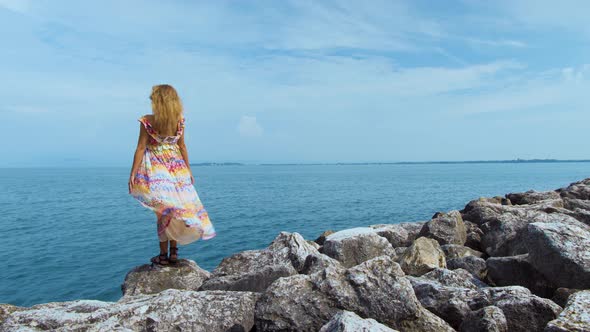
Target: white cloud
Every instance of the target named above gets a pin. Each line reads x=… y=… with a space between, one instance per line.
x=249 y=127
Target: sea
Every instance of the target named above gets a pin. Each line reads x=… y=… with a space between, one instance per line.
x=73 y=233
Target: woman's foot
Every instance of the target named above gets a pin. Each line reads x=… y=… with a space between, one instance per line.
x=173 y=255
x=161 y=259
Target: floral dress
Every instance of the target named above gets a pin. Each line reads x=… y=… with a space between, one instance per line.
x=163 y=184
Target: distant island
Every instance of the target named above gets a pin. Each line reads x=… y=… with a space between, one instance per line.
x=513 y=161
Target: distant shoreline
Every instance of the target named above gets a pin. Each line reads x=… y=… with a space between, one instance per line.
x=515 y=161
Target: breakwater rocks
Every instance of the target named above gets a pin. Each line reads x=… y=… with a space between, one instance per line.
x=515 y=263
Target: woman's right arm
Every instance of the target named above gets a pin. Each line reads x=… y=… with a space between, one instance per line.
x=138 y=156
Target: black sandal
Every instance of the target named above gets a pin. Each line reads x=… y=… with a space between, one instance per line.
x=161 y=259
x=173 y=251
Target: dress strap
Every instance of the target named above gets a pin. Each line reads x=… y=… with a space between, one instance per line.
x=148 y=126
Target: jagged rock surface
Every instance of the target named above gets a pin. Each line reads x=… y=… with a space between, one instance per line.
x=254 y=270
x=446 y=228
x=148 y=279
x=348 y=321
x=488 y=319
x=576 y=315
x=169 y=310
x=356 y=245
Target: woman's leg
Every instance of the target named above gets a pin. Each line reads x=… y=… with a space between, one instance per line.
x=163 y=239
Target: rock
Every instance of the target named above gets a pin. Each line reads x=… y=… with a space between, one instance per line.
x=579 y=190
x=523 y=311
x=449 y=302
x=561 y=295
x=6 y=310
x=316 y=263
x=532 y=197
x=376 y=288
x=320 y=240
x=399 y=251
x=561 y=252
x=254 y=270
x=356 y=245
x=575 y=316
x=487 y=319
x=474 y=234
x=475 y=265
x=458 y=251
x=516 y=270
x=446 y=228
x=422 y=256
x=148 y=279
x=169 y=310
x=399 y=235
x=347 y=321
x=454 y=278
x=313 y=244
x=504 y=227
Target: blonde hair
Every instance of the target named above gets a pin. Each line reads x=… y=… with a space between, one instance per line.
x=167 y=109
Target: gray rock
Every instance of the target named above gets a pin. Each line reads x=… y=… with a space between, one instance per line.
x=473 y=264
x=576 y=315
x=505 y=227
x=401 y=234
x=148 y=279
x=517 y=270
x=532 y=197
x=376 y=288
x=579 y=190
x=561 y=252
x=458 y=251
x=254 y=270
x=488 y=319
x=449 y=302
x=474 y=234
x=356 y=245
x=422 y=256
x=562 y=294
x=169 y=310
x=454 y=278
x=446 y=228
x=524 y=311
x=347 y=321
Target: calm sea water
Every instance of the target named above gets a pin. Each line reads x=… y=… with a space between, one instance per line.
x=74 y=233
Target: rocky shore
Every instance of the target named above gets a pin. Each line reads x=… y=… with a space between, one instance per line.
x=520 y=262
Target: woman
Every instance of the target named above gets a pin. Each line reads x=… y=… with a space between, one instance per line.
x=161 y=178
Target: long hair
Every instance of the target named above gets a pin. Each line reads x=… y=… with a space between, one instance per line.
x=167 y=109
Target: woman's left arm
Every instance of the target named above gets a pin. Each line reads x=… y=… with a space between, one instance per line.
x=138 y=156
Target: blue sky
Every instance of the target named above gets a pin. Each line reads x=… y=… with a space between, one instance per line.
x=297 y=81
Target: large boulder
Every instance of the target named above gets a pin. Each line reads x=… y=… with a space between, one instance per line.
x=475 y=265
x=561 y=252
x=576 y=315
x=517 y=270
x=454 y=278
x=348 y=321
x=422 y=256
x=151 y=279
x=254 y=270
x=356 y=245
x=446 y=228
x=401 y=234
x=524 y=311
x=376 y=288
x=487 y=319
x=169 y=310
x=579 y=190
x=532 y=197
x=474 y=235
x=450 y=302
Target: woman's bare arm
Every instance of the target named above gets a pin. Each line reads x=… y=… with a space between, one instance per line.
x=184 y=154
x=138 y=156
